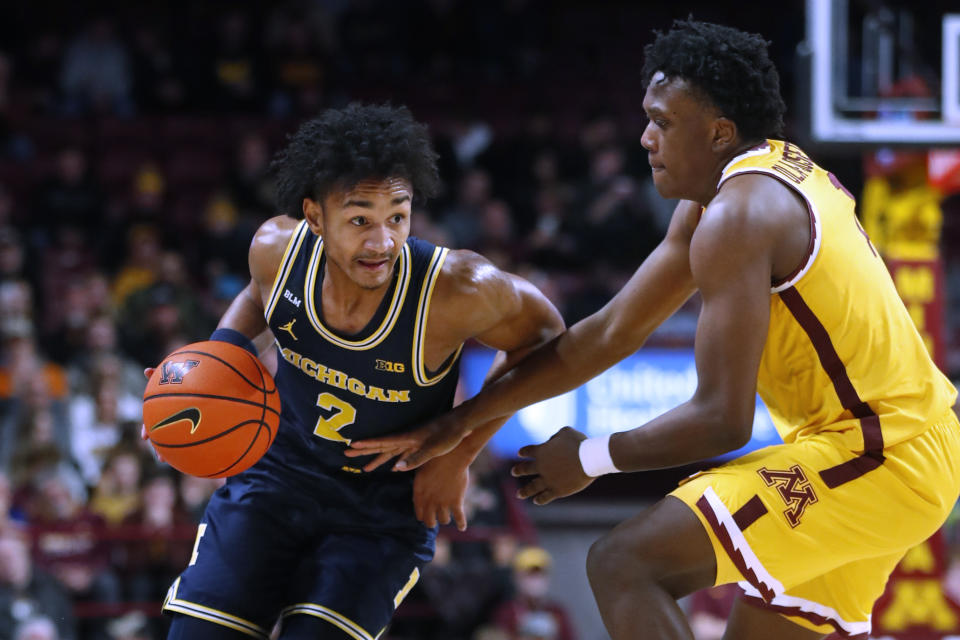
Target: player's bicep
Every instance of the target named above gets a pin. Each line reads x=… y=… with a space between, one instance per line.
x=522 y=316
x=733 y=274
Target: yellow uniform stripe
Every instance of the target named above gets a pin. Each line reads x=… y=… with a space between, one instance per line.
x=339 y=620
x=396 y=304
x=420 y=326
x=192 y=609
x=414 y=576
x=280 y=280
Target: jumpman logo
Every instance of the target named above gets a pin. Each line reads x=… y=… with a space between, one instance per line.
x=289 y=328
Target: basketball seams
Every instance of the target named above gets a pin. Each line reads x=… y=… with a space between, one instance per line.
x=186 y=445
x=234 y=437
x=231 y=367
x=253 y=441
x=212 y=396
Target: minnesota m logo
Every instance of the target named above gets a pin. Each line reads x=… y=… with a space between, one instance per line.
x=794 y=488
x=173 y=372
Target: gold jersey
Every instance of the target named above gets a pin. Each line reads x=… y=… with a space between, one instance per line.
x=842 y=353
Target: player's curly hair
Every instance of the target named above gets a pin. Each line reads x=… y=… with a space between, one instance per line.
x=730 y=67
x=341 y=147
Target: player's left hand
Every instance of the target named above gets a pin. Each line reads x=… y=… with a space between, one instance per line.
x=435 y=438
x=439 y=489
x=553 y=468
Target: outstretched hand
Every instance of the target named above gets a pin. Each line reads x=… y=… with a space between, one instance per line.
x=148 y=372
x=435 y=438
x=553 y=468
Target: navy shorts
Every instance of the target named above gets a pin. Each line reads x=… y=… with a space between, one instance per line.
x=261 y=556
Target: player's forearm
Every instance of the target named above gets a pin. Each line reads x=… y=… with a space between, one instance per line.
x=562 y=364
x=688 y=433
x=245 y=314
x=470 y=447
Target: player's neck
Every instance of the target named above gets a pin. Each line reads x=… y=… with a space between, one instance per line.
x=710 y=189
x=347 y=306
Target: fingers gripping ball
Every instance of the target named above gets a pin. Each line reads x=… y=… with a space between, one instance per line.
x=211 y=409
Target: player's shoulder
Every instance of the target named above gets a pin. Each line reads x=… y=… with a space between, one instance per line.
x=269 y=244
x=275 y=230
x=466 y=273
x=754 y=201
x=470 y=288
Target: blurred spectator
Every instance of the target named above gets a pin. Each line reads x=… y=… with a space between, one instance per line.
x=38 y=68
x=497 y=240
x=27 y=593
x=12 y=519
x=537 y=625
x=464 y=219
x=226 y=235
x=67 y=540
x=484 y=503
x=250 y=184
x=32 y=394
x=12 y=253
x=158 y=85
x=70 y=196
x=130 y=626
x=463 y=585
x=38 y=628
x=165 y=312
x=101 y=418
x=139 y=270
x=709 y=610
x=487 y=632
x=611 y=216
x=96 y=74
x=100 y=344
x=298 y=67
x=236 y=74
x=117 y=493
x=531 y=570
x=195 y=493
x=162 y=546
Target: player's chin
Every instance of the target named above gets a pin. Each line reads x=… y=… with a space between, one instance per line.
x=664 y=185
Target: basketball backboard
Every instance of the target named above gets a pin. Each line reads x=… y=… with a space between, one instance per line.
x=877 y=75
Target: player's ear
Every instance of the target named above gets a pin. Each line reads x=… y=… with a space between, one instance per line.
x=725 y=134
x=313 y=214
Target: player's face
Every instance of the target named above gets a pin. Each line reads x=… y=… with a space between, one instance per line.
x=365 y=228
x=680 y=138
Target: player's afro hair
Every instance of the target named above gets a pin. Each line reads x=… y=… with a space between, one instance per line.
x=729 y=66
x=341 y=147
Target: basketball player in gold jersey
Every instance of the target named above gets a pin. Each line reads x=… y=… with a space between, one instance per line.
x=796 y=305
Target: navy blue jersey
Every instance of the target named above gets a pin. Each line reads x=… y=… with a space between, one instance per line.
x=336 y=387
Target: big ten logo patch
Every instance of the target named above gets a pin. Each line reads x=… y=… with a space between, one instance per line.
x=173 y=372
x=794 y=488
x=387 y=365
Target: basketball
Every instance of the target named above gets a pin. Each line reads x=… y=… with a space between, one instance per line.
x=211 y=409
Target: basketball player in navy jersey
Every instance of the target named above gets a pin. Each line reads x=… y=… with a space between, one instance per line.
x=368 y=324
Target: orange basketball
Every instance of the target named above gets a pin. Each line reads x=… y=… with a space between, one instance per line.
x=211 y=409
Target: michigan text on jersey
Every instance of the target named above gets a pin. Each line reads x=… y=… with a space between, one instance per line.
x=341 y=380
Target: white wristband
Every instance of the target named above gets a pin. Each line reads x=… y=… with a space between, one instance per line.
x=595 y=456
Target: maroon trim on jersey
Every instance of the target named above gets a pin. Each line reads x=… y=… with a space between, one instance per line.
x=736 y=557
x=749 y=513
x=797 y=612
x=776 y=282
x=830 y=361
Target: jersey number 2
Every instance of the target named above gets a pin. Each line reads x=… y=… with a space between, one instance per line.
x=343 y=415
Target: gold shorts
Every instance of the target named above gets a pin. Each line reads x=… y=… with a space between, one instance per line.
x=821 y=556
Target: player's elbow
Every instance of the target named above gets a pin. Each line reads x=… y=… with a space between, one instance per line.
x=730 y=427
